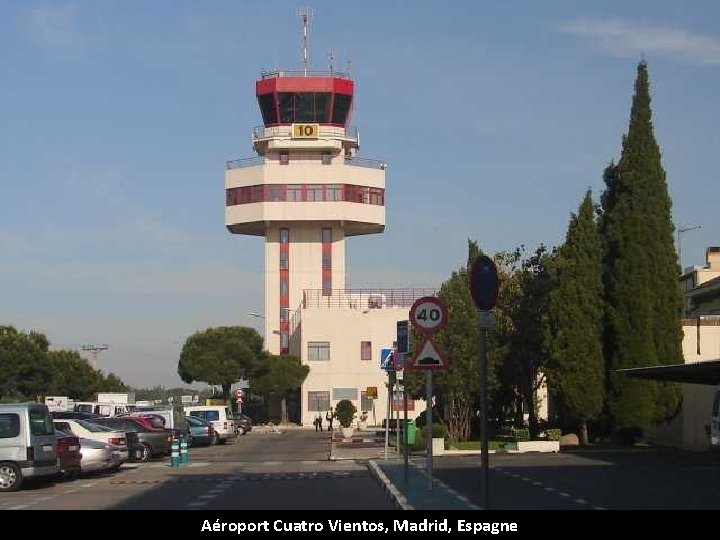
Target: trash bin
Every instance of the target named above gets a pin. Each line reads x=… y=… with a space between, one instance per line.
x=411 y=430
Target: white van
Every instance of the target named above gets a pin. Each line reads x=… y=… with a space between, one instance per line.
x=28 y=446
x=221 y=417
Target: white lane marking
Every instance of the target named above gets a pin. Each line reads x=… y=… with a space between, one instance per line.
x=537 y=483
x=87 y=485
x=208 y=496
x=272 y=462
x=598 y=508
x=525 y=479
x=197 y=504
x=550 y=489
x=71 y=491
x=45 y=498
x=18 y=507
x=201 y=464
x=581 y=501
x=310 y=462
x=563 y=494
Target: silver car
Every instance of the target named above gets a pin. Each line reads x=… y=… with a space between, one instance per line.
x=99 y=456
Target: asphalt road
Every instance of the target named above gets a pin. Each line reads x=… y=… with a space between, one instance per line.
x=650 y=479
x=260 y=471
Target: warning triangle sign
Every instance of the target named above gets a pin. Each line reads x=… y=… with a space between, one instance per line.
x=428 y=357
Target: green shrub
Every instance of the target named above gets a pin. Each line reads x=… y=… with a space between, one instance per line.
x=553 y=434
x=522 y=434
x=345 y=412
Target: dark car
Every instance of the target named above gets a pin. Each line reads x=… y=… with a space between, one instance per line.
x=203 y=432
x=68 y=454
x=243 y=423
x=150 y=442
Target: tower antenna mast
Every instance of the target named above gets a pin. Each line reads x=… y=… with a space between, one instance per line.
x=682 y=230
x=94 y=350
x=305 y=16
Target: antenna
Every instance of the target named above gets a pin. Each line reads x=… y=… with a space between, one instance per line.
x=682 y=230
x=305 y=15
x=330 y=60
x=94 y=349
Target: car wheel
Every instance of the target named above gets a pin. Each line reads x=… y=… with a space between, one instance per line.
x=242 y=431
x=216 y=439
x=10 y=477
x=145 y=453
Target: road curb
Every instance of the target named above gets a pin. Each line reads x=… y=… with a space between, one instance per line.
x=399 y=499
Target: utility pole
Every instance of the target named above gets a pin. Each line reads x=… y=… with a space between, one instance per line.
x=94 y=350
x=682 y=230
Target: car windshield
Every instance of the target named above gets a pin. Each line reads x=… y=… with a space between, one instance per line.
x=194 y=421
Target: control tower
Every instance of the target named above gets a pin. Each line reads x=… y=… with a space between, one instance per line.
x=305 y=191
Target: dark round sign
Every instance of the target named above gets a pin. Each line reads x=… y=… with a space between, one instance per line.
x=484 y=283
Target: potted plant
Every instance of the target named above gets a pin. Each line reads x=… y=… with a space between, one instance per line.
x=362 y=422
x=345 y=414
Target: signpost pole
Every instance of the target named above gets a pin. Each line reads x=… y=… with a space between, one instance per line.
x=484 y=465
x=428 y=425
x=387 y=420
x=397 y=420
x=405 y=435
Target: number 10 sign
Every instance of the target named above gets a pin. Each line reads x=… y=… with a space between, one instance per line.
x=428 y=315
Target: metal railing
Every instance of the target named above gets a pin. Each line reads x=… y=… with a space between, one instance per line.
x=365 y=162
x=364 y=299
x=332 y=132
x=296 y=73
x=244 y=162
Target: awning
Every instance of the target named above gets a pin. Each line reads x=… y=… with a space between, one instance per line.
x=694 y=373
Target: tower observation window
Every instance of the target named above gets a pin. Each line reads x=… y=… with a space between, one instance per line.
x=287 y=107
x=267 y=108
x=341 y=106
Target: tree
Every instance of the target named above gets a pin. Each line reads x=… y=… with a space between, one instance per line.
x=524 y=303
x=220 y=356
x=574 y=317
x=25 y=371
x=280 y=374
x=456 y=389
x=73 y=376
x=644 y=303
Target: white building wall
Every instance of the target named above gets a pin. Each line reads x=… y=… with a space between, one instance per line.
x=687 y=430
x=345 y=329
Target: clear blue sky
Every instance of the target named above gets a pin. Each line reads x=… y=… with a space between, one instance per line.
x=117 y=117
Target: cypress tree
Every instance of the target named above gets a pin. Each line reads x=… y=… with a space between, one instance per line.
x=640 y=272
x=574 y=321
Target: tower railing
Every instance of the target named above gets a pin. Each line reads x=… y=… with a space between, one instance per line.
x=364 y=299
x=244 y=162
x=324 y=131
x=294 y=73
x=307 y=157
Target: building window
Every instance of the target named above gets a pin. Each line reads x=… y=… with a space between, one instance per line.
x=365 y=350
x=318 y=350
x=365 y=403
x=284 y=236
x=284 y=157
x=326 y=158
x=345 y=393
x=284 y=285
x=318 y=401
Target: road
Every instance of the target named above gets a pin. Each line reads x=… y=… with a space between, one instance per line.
x=260 y=471
x=646 y=479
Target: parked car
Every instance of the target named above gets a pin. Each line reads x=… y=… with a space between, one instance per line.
x=221 y=418
x=150 y=442
x=243 y=423
x=203 y=432
x=28 y=448
x=98 y=456
x=69 y=455
x=96 y=432
x=74 y=415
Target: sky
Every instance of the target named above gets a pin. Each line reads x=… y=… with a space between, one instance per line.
x=117 y=118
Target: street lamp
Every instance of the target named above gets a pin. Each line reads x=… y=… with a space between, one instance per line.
x=682 y=230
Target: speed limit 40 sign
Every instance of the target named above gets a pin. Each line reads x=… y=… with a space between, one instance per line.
x=428 y=315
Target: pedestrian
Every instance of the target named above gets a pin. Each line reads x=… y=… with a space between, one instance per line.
x=318 y=421
x=329 y=417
